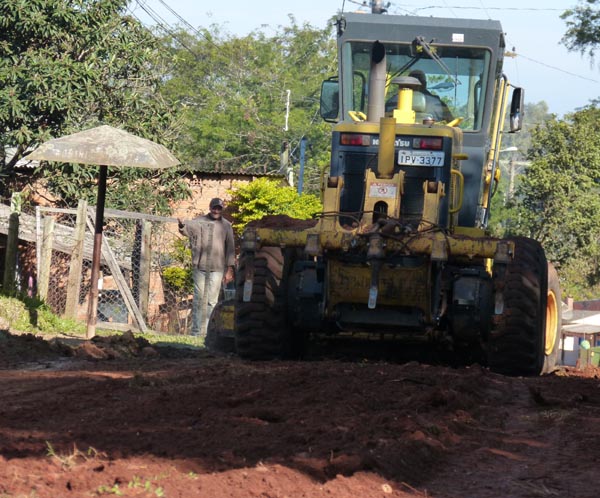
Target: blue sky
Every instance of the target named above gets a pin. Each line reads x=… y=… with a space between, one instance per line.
x=543 y=67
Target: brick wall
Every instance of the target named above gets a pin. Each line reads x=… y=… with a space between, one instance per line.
x=204 y=187
x=591 y=305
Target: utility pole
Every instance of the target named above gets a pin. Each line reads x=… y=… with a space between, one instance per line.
x=285 y=165
x=287 y=110
x=511 y=178
x=302 y=159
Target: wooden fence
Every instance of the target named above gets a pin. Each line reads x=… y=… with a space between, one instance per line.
x=135 y=248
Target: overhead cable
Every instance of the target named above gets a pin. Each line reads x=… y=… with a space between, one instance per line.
x=162 y=24
x=554 y=67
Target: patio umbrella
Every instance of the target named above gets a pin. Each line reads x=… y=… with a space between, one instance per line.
x=103 y=146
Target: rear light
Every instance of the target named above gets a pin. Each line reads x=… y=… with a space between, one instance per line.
x=355 y=139
x=428 y=143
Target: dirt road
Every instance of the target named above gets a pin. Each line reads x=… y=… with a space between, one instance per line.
x=191 y=424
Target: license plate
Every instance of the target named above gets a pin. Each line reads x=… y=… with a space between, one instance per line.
x=420 y=158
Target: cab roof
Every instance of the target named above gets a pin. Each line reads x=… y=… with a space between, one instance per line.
x=447 y=31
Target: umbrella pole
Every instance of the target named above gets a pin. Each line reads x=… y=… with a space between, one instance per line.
x=96 y=255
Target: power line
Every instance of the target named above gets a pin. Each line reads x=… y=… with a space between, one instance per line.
x=172 y=11
x=162 y=24
x=484 y=8
x=361 y=4
x=450 y=8
x=417 y=8
x=554 y=67
x=186 y=23
x=166 y=28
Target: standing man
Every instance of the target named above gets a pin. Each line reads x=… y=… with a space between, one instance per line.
x=213 y=254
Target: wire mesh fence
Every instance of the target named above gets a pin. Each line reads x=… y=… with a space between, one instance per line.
x=137 y=249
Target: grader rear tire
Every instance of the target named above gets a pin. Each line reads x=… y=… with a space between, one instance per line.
x=517 y=344
x=262 y=331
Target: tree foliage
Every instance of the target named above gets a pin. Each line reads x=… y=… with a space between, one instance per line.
x=503 y=213
x=535 y=115
x=68 y=65
x=583 y=28
x=265 y=196
x=558 y=197
x=234 y=92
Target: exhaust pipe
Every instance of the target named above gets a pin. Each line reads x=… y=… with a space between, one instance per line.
x=377 y=79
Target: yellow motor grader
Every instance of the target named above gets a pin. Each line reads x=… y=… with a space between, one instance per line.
x=401 y=251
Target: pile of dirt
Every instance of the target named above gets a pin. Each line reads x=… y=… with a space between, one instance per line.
x=121 y=346
x=23 y=348
x=282 y=221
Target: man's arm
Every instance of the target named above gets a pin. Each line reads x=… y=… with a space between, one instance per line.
x=229 y=247
x=447 y=112
x=182 y=227
x=229 y=275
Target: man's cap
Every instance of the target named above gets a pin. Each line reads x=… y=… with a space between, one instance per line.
x=215 y=202
x=420 y=75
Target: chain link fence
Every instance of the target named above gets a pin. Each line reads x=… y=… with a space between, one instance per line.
x=143 y=281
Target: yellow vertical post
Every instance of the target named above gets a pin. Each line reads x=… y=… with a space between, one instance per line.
x=405 y=113
x=387 y=138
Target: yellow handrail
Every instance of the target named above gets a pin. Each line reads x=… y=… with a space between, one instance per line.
x=461 y=188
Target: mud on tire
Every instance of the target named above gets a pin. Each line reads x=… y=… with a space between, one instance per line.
x=516 y=343
x=217 y=336
x=261 y=327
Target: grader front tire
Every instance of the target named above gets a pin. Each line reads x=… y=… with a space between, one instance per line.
x=261 y=327
x=219 y=333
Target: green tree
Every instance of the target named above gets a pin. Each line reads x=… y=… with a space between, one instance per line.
x=535 y=114
x=558 y=197
x=583 y=28
x=67 y=65
x=265 y=196
x=504 y=214
x=234 y=92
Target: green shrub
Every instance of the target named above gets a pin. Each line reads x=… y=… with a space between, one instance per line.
x=182 y=253
x=178 y=279
x=265 y=196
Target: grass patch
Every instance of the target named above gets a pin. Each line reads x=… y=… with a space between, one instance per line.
x=26 y=314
